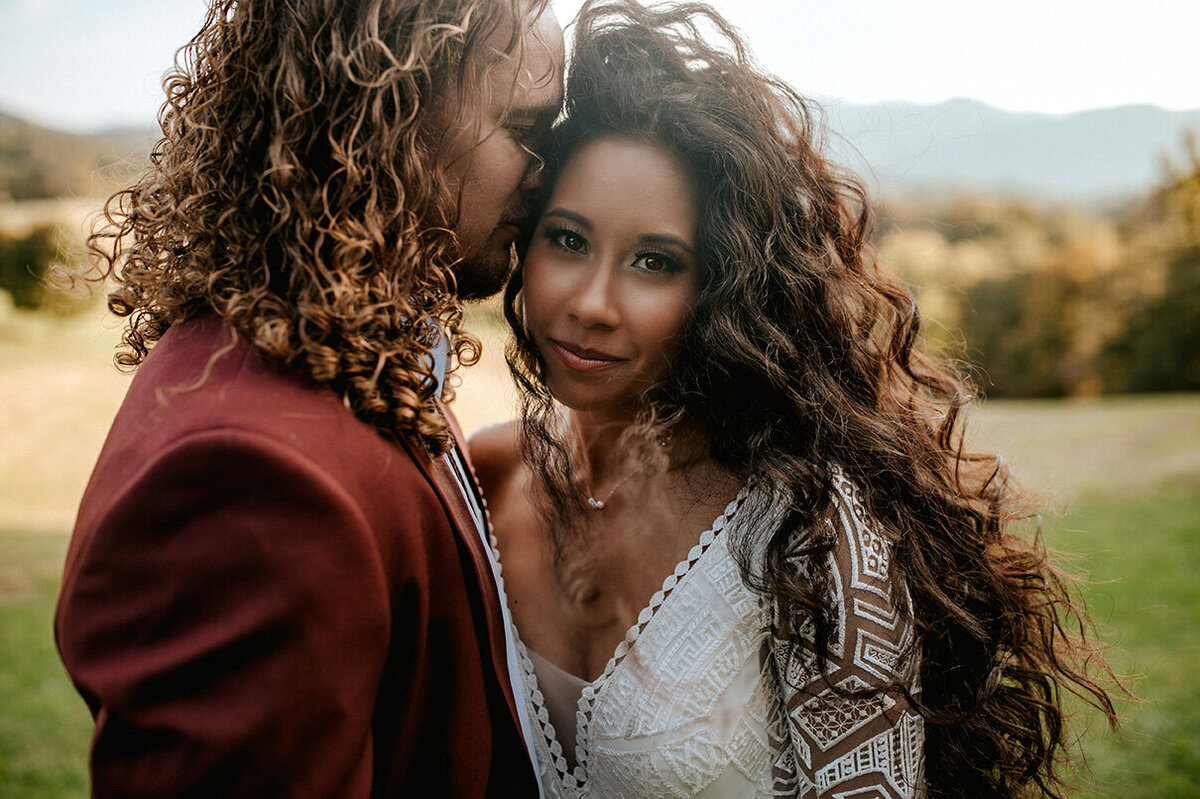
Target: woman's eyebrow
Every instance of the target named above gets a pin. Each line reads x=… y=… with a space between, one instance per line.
x=665 y=238
x=646 y=238
x=563 y=213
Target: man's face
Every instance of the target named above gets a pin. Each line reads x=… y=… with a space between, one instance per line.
x=494 y=168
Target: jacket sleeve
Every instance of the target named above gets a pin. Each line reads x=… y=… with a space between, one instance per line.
x=851 y=728
x=226 y=617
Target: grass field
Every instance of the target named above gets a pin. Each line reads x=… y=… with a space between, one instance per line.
x=1123 y=476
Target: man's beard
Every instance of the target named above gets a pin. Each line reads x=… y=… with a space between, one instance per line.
x=482 y=275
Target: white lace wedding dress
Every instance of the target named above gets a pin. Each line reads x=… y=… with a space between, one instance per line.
x=700 y=700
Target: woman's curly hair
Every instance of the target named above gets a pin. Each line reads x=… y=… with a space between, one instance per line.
x=801 y=354
x=299 y=191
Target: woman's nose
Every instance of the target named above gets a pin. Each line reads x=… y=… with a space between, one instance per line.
x=593 y=301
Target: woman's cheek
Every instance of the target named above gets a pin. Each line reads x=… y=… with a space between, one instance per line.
x=551 y=285
x=533 y=291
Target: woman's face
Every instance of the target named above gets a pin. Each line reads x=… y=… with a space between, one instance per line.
x=611 y=273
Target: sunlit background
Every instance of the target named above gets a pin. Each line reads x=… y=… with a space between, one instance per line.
x=84 y=66
x=1036 y=179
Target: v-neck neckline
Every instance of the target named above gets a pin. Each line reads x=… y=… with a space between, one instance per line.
x=575 y=778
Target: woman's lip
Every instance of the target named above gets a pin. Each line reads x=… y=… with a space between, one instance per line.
x=584 y=360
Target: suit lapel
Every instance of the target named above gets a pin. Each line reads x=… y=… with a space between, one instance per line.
x=441 y=477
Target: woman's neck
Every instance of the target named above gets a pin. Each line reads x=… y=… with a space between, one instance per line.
x=598 y=438
x=608 y=454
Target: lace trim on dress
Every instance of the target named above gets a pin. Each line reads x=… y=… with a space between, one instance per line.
x=569 y=778
x=573 y=779
x=518 y=646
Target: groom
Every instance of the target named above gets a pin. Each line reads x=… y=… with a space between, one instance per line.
x=278 y=583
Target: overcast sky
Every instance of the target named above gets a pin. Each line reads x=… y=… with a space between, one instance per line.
x=89 y=64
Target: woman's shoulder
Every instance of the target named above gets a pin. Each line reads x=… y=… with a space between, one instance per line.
x=872 y=635
x=872 y=599
x=496 y=455
x=863 y=548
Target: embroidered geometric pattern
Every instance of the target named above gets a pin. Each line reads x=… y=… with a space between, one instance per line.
x=863 y=737
x=830 y=716
x=887 y=756
x=700 y=700
x=878 y=655
x=798 y=662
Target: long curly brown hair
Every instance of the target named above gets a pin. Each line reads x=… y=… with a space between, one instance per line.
x=299 y=191
x=801 y=354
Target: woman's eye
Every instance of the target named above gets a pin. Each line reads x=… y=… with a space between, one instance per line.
x=565 y=240
x=568 y=240
x=654 y=262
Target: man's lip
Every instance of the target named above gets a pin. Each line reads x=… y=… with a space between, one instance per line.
x=584 y=359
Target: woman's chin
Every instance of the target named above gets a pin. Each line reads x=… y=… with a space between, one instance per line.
x=587 y=400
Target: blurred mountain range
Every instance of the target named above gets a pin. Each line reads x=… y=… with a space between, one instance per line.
x=38 y=162
x=1097 y=157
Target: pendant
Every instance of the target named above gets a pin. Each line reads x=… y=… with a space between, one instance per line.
x=595 y=504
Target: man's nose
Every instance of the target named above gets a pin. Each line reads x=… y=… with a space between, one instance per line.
x=535 y=167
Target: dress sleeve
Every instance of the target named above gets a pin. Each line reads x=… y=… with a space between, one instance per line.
x=852 y=733
x=226 y=619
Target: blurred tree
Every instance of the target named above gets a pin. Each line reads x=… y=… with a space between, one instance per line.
x=1020 y=332
x=1159 y=349
x=1056 y=301
x=25 y=262
x=1183 y=192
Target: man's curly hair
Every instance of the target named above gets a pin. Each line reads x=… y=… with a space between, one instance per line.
x=299 y=191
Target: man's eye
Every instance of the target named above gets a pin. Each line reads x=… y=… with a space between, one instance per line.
x=524 y=134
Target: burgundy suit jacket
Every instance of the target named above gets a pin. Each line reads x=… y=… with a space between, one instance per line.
x=264 y=597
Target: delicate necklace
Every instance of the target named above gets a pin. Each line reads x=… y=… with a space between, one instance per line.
x=601 y=504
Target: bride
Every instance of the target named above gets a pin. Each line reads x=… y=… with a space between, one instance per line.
x=744 y=549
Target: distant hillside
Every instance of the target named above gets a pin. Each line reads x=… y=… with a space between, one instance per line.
x=903 y=149
x=1091 y=156
x=37 y=162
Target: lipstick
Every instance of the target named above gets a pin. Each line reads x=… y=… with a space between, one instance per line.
x=580 y=359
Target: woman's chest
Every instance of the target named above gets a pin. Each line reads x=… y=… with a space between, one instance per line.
x=575 y=603
x=687 y=702
x=588 y=603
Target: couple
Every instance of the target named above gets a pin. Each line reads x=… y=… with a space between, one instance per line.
x=284 y=580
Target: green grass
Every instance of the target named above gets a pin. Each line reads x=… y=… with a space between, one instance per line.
x=1143 y=555
x=1144 y=559
x=1127 y=468
x=44 y=725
